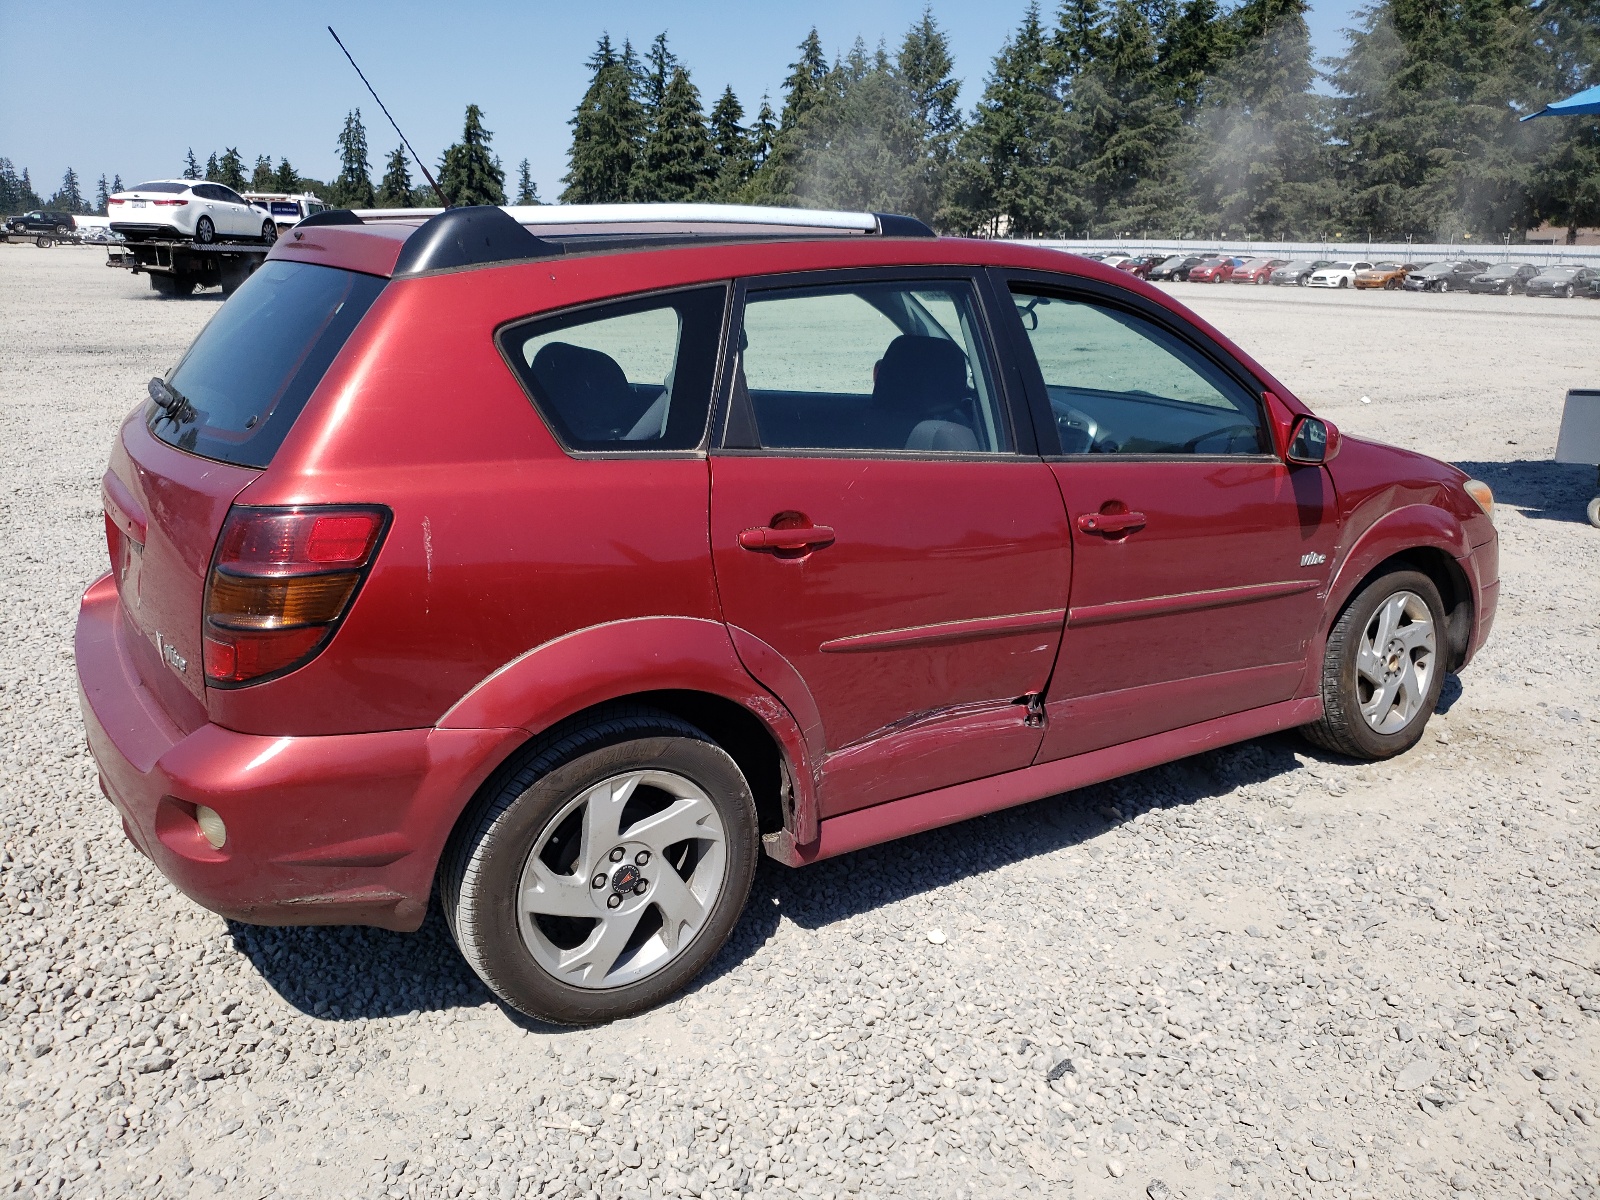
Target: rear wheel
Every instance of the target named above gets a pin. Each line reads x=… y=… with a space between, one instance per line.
x=171 y=286
x=44 y=243
x=205 y=232
x=269 y=232
x=1383 y=668
x=1593 y=512
x=606 y=871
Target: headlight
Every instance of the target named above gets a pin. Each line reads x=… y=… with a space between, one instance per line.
x=1481 y=492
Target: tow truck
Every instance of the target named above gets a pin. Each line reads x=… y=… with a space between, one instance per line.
x=176 y=266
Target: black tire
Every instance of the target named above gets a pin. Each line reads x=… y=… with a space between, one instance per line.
x=269 y=231
x=44 y=243
x=1567 y=292
x=205 y=231
x=1444 y=285
x=1391 y=285
x=172 y=287
x=1344 y=282
x=1342 y=728
x=483 y=866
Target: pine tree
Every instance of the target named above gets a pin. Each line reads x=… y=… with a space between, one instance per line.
x=858 y=146
x=230 y=170
x=191 y=168
x=69 y=197
x=1263 y=163
x=468 y=173
x=732 y=158
x=285 y=179
x=763 y=132
x=777 y=179
x=926 y=72
x=102 y=196
x=607 y=130
x=10 y=189
x=675 y=163
x=395 y=189
x=212 y=168
x=263 y=177
x=353 y=186
x=527 y=189
x=1565 y=173
x=116 y=184
x=1007 y=181
x=27 y=198
x=659 y=65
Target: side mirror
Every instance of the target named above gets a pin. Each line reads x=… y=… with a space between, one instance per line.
x=1313 y=441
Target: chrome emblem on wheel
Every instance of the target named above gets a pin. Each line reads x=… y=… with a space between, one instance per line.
x=1395 y=662
x=621 y=881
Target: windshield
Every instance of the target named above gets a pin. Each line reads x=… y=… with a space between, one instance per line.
x=1499 y=272
x=1173 y=261
x=242 y=384
x=160 y=186
x=1384 y=267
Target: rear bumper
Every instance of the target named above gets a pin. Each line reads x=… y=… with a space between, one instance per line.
x=345 y=829
x=138 y=231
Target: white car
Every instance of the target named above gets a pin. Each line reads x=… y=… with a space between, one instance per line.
x=1338 y=275
x=190 y=209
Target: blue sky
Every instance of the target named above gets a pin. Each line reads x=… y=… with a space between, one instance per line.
x=111 y=93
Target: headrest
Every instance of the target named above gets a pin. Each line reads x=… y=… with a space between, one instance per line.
x=587 y=388
x=921 y=374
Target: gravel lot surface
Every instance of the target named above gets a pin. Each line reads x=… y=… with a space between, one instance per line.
x=1258 y=972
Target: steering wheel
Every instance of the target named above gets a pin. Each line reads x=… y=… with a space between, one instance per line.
x=1192 y=446
x=1079 y=431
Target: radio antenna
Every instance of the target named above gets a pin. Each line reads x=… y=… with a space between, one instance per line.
x=417 y=158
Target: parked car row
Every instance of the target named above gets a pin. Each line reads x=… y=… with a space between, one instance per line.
x=1480 y=278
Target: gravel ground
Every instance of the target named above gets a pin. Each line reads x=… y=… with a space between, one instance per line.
x=1257 y=972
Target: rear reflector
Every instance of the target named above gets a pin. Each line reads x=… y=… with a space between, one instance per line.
x=281 y=581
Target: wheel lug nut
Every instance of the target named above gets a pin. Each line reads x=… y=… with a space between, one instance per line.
x=616 y=855
x=639 y=888
x=641 y=858
x=613 y=900
x=598 y=882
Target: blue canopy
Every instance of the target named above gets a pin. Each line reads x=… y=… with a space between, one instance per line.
x=1587 y=101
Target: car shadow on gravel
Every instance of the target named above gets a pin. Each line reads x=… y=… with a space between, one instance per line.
x=343 y=973
x=1543 y=490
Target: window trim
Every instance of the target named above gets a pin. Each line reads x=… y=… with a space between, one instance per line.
x=699 y=449
x=1090 y=291
x=1009 y=399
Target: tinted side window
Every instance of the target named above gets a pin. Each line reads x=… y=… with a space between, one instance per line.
x=1120 y=384
x=630 y=376
x=890 y=366
x=228 y=194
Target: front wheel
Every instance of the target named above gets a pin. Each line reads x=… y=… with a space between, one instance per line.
x=1391 y=285
x=1383 y=668
x=606 y=871
x=1567 y=292
x=1444 y=285
x=205 y=232
x=1344 y=283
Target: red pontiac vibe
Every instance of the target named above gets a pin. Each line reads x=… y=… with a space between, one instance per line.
x=573 y=557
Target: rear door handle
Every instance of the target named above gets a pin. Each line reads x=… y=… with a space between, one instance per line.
x=804 y=537
x=1111 y=524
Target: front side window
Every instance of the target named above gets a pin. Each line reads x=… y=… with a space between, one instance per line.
x=623 y=377
x=872 y=366
x=1121 y=384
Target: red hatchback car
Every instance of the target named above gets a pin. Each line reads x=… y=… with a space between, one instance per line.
x=1214 y=270
x=572 y=558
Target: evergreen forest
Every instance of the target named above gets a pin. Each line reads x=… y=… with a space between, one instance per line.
x=1139 y=118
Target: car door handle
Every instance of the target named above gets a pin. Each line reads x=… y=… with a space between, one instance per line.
x=1111 y=524
x=803 y=537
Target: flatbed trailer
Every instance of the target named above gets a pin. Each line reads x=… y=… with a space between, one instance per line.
x=177 y=266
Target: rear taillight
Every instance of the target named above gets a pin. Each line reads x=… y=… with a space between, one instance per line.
x=280 y=583
x=168 y=203
x=119 y=547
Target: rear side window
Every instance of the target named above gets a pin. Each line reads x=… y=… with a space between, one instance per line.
x=248 y=375
x=623 y=377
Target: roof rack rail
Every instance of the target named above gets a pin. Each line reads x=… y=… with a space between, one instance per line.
x=482 y=234
x=331 y=216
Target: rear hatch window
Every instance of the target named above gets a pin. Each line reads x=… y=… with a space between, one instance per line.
x=243 y=383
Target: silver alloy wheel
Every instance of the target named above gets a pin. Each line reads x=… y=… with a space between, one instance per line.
x=1395 y=662
x=644 y=890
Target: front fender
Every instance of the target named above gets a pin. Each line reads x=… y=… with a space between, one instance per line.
x=621 y=658
x=1412 y=527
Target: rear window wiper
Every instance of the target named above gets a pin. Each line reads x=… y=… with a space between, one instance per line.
x=173 y=403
